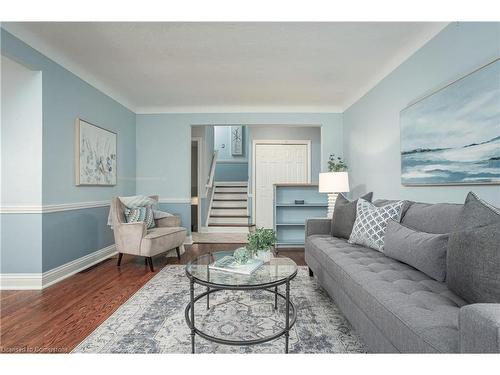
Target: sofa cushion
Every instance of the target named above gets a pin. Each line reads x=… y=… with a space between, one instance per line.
x=371 y=222
x=161 y=239
x=473 y=263
x=416 y=313
x=424 y=251
x=432 y=218
x=344 y=215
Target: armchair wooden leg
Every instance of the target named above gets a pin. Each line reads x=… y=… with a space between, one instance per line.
x=150 y=261
x=120 y=255
x=178 y=250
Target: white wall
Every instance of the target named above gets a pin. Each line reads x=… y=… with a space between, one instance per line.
x=371 y=125
x=21 y=134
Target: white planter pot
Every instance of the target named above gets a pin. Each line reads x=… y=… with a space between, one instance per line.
x=264 y=255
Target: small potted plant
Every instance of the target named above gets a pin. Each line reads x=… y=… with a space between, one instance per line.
x=261 y=242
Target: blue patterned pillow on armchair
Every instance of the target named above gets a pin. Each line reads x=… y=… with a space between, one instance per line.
x=138 y=214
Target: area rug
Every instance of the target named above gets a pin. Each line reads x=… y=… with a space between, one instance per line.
x=152 y=320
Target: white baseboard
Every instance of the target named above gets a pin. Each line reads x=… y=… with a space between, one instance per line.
x=20 y=281
x=66 y=270
x=188 y=240
x=38 y=281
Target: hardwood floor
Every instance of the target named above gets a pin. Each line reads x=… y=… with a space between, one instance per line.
x=56 y=319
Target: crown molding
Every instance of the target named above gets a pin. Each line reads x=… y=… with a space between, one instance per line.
x=56 y=56
x=395 y=63
x=238 y=109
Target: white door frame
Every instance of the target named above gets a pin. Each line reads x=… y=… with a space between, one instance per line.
x=199 y=142
x=255 y=142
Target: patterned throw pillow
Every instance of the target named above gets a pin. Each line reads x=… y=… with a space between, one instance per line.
x=138 y=214
x=371 y=223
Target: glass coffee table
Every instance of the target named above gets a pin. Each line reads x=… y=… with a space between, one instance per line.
x=268 y=277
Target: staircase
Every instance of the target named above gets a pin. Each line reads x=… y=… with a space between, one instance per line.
x=229 y=210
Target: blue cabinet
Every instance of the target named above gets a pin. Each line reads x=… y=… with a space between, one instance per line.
x=290 y=217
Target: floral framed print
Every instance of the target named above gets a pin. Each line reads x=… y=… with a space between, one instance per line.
x=95 y=155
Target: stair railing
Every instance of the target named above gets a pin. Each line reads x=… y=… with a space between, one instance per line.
x=210 y=185
x=211 y=174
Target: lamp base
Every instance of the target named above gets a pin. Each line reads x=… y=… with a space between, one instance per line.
x=332 y=198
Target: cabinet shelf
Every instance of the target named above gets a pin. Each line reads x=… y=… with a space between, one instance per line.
x=290 y=217
x=302 y=205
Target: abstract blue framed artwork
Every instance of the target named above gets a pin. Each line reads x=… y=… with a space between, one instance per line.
x=452 y=137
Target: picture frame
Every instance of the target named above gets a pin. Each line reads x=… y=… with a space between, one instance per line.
x=237 y=140
x=95 y=155
x=451 y=136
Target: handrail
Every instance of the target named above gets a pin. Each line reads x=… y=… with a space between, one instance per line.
x=211 y=175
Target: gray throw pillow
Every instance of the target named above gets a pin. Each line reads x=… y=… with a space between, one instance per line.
x=473 y=261
x=344 y=215
x=424 y=251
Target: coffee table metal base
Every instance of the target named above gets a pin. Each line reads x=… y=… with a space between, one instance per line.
x=290 y=315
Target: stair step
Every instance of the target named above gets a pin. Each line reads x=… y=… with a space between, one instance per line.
x=231 y=225
x=225 y=204
x=228 y=200
x=238 y=216
x=228 y=220
x=229 y=211
x=231 y=190
x=230 y=196
x=231 y=183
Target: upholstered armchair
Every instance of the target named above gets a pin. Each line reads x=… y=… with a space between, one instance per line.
x=135 y=239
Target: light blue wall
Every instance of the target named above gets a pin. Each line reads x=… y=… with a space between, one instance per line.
x=69 y=235
x=21 y=243
x=225 y=171
x=222 y=136
x=371 y=125
x=230 y=167
x=169 y=176
x=66 y=97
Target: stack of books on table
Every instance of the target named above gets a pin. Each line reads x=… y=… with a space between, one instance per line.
x=229 y=264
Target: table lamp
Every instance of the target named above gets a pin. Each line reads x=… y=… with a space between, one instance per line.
x=333 y=183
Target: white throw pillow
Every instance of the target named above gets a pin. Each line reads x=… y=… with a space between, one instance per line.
x=371 y=223
x=160 y=214
x=135 y=201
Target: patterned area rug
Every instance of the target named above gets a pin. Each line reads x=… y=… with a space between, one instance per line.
x=152 y=320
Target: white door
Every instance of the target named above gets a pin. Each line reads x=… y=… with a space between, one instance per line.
x=276 y=163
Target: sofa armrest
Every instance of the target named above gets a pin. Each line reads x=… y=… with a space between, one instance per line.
x=479 y=328
x=169 y=221
x=318 y=226
x=128 y=237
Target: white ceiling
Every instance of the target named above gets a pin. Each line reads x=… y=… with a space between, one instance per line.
x=229 y=67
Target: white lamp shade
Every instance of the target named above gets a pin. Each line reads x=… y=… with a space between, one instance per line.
x=333 y=182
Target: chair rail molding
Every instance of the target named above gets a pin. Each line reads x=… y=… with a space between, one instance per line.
x=48 y=208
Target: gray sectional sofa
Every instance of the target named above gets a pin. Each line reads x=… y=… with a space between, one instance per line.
x=393 y=306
